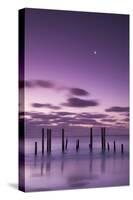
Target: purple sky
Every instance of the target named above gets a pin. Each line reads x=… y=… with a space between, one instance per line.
x=78 y=63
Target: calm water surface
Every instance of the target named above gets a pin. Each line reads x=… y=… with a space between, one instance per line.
x=82 y=169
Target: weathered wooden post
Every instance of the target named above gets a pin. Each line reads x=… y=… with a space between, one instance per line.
x=91 y=139
x=122 y=148
x=77 y=145
x=114 y=147
x=63 y=140
x=102 y=139
x=35 y=149
x=108 y=147
x=42 y=141
x=47 y=140
x=50 y=139
x=66 y=143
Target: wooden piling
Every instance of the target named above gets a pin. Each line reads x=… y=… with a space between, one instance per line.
x=48 y=141
x=122 y=148
x=66 y=143
x=42 y=141
x=91 y=139
x=50 y=137
x=114 y=147
x=77 y=145
x=108 y=147
x=63 y=141
x=102 y=139
x=35 y=149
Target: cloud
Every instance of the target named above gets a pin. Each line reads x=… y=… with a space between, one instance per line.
x=36 y=83
x=40 y=118
x=77 y=102
x=120 y=123
x=78 y=122
x=126 y=119
x=85 y=122
x=92 y=115
x=43 y=105
x=63 y=113
x=51 y=85
x=125 y=114
x=74 y=123
x=117 y=109
x=34 y=123
x=78 y=92
x=58 y=118
x=45 y=84
x=67 y=119
x=108 y=120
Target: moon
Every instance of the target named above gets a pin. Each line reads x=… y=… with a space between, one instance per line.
x=94 y=52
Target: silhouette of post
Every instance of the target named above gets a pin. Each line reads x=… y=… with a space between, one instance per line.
x=122 y=148
x=77 y=145
x=50 y=133
x=35 y=149
x=63 y=145
x=114 y=147
x=48 y=141
x=66 y=143
x=91 y=139
x=42 y=141
x=104 y=139
x=108 y=147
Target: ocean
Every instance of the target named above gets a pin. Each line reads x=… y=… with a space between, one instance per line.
x=76 y=169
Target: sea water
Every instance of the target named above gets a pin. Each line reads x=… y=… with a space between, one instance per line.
x=72 y=169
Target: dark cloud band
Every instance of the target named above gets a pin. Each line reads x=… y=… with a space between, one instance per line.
x=81 y=103
x=78 y=92
x=42 y=105
x=117 y=109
